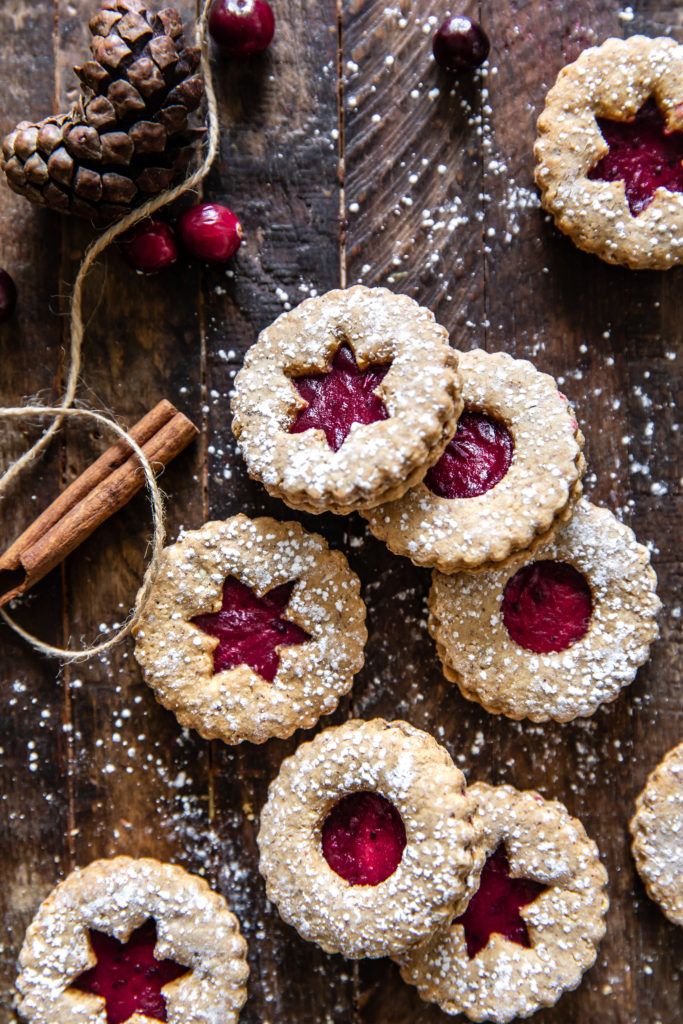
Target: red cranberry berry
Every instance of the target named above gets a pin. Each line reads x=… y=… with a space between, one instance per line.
x=210 y=232
x=8 y=296
x=151 y=247
x=460 y=44
x=241 y=28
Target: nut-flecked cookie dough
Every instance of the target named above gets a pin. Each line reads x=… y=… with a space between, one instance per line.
x=509 y=476
x=147 y=936
x=347 y=400
x=616 y=100
x=366 y=839
x=254 y=628
x=555 y=634
x=657 y=830
x=535 y=919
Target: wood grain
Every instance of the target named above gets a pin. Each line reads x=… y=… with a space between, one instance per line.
x=348 y=157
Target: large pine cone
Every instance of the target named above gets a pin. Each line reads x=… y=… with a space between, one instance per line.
x=128 y=136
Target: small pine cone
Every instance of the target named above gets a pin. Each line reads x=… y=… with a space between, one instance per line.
x=129 y=136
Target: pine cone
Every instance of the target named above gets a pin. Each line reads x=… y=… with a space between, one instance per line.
x=128 y=136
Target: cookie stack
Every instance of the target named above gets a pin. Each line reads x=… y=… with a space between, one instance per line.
x=491 y=900
x=543 y=606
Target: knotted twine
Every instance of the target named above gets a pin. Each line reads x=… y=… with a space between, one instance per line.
x=66 y=409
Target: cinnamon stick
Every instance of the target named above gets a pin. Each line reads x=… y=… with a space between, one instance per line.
x=104 y=488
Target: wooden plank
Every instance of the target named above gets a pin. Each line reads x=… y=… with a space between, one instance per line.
x=34 y=737
x=141 y=784
x=278 y=171
x=606 y=334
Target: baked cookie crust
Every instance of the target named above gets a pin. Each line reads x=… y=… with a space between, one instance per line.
x=410 y=769
x=489 y=667
x=377 y=461
x=657 y=830
x=194 y=927
x=565 y=922
x=237 y=704
x=613 y=80
x=537 y=492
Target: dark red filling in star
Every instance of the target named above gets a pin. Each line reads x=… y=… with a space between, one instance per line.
x=547 y=606
x=476 y=459
x=128 y=976
x=251 y=629
x=643 y=154
x=495 y=906
x=363 y=838
x=342 y=396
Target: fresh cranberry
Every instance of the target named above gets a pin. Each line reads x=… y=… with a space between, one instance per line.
x=476 y=459
x=460 y=44
x=151 y=247
x=241 y=28
x=8 y=296
x=547 y=606
x=342 y=396
x=251 y=629
x=363 y=838
x=128 y=976
x=643 y=154
x=210 y=232
x=495 y=906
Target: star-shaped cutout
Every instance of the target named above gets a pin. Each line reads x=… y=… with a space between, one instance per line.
x=643 y=154
x=342 y=396
x=495 y=906
x=128 y=976
x=251 y=629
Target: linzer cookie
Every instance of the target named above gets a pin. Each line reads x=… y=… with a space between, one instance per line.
x=133 y=940
x=508 y=477
x=347 y=400
x=366 y=839
x=254 y=628
x=554 y=634
x=535 y=919
x=609 y=154
x=657 y=830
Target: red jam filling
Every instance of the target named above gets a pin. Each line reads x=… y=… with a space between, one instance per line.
x=128 y=975
x=342 y=396
x=476 y=459
x=643 y=154
x=547 y=606
x=251 y=629
x=363 y=838
x=495 y=906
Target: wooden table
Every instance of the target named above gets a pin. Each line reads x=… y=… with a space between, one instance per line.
x=348 y=159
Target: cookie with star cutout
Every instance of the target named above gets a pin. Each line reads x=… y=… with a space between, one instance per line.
x=609 y=152
x=254 y=628
x=535 y=916
x=347 y=400
x=127 y=940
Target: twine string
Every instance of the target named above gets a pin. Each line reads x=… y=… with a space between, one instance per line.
x=77 y=332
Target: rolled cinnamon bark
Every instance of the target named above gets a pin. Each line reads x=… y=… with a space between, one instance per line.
x=99 y=492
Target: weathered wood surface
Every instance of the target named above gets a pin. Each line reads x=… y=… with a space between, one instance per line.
x=91 y=764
